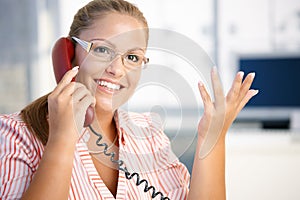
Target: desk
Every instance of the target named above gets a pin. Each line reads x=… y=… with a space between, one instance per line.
x=263 y=165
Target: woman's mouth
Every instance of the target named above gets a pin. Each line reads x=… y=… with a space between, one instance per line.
x=108 y=86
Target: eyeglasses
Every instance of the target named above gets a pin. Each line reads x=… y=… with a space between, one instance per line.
x=105 y=52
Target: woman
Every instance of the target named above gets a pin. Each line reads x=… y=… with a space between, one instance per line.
x=46 y=153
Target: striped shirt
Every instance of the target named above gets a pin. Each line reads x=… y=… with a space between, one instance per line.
x=143 y=147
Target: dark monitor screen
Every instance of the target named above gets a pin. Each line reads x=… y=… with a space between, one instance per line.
x=277 y=78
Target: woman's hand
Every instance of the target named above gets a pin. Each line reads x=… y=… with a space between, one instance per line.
x=220 y=114
x=67 y=106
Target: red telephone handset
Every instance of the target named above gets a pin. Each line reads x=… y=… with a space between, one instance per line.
x=62 y=56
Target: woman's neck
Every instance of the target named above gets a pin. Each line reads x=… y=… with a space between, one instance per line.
x=104 y=123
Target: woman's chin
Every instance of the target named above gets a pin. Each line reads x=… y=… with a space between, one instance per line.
x=105 y=105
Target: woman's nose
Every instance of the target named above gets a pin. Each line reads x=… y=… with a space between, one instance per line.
x=116 y=67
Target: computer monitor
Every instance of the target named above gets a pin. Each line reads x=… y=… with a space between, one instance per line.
x=278 y=80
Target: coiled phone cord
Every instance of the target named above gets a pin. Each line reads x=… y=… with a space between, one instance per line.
x=128 y=175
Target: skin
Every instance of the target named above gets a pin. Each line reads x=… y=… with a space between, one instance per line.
x=69 y=101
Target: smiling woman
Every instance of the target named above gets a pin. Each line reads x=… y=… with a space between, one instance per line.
x=47 y=151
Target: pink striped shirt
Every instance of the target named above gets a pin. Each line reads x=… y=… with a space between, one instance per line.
x=143 y=147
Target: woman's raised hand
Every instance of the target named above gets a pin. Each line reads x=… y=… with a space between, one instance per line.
x=220 y=114
x=67 y=105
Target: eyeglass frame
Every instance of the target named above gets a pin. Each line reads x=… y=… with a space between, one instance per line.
x=87 y=46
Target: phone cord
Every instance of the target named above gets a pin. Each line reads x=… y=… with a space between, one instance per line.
x=124 y=169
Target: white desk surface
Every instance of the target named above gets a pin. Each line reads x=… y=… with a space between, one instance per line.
x=263 y=165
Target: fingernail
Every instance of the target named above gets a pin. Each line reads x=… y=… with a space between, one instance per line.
x=241 y=74
x=75 y=68
x=200 y=84
x=214 y=69
x=256 y=92
x=252 y=74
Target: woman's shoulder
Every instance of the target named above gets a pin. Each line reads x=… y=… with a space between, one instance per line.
x=11 y=125
x=15 y=133
x=13 y=117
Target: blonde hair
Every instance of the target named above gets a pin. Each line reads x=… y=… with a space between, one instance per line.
x=97 y=8
x=35 y=114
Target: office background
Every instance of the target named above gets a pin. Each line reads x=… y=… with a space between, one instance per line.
x=262 y=163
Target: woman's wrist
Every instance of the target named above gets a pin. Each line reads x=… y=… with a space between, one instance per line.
x=61 y=145
x=67 y=137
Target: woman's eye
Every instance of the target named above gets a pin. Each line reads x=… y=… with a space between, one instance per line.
x=133 y=58
x=102 y=50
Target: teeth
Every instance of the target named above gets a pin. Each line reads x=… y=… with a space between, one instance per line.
x=109 y=85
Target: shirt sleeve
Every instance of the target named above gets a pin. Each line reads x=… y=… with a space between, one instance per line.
x=17 y=159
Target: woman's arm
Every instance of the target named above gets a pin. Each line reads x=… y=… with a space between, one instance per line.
x=53 y=176
x=67 y=106
x=208 y=175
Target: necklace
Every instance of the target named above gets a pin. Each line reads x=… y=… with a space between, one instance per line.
x=105 y=149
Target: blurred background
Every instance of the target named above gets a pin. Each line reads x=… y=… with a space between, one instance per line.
x=263 y=145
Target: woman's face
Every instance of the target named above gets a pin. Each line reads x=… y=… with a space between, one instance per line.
x=111 y=82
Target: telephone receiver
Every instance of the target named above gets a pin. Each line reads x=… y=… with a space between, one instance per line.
x=63 y=53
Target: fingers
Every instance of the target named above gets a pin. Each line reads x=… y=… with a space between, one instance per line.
x=87 y=101
x=73 y=88
x=66 y=88
x=67 y=91
x=204 y=95
x=239 y=88
x=218 y=88
x=236 y=86
x=251 y=93
x=80 y=92
x=246 y=86
x=240 y=92
x=69 y=100
x=67 y=78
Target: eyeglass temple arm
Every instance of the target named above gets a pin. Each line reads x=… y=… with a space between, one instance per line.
x=85 y=45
